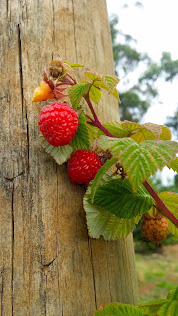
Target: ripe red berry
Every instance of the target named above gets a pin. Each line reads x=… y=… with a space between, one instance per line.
x=155 y=229
x=83 y=166
x=58 y=123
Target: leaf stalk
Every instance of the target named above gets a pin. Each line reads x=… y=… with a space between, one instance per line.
x=160 y=205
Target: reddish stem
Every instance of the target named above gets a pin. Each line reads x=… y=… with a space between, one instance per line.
x=159 y=203
x=96 y=121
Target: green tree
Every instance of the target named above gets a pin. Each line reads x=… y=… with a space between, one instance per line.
x=126 y=58
x=172 y=122
x=136 y=100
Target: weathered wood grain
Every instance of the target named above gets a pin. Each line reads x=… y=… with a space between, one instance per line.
x=48 y=265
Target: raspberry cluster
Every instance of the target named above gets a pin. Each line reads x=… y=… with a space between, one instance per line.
x=58 y=123
x=83 y=166
x=155 y=229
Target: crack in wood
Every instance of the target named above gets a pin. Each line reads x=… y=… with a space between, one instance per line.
x=75 y=40
x=22 y=94
x=92 y=265
x=12 y=258
x=28 y=145
x=45 y=293
x=7 y=7
x=49 y=263
x=2 y=289
x=20 y=64
x=53 y=19
x=109 y=278
x=13 y=178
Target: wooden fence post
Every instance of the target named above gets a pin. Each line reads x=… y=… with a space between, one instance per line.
x=48 y=265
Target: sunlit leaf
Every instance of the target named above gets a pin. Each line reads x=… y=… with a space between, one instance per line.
x=60 y=153
x=94 y=94
x=116 y=129
x=174 y=165
x=92 y=75
x=169 y=309
x=140 y=160
x=108 y=83
x=103 y=85
x=76 y=66
x=166 y=133
x=173 y=294
x=152 y=307
x=77 y=91
x=119 y=309
x=111 y=82
x=138 y=132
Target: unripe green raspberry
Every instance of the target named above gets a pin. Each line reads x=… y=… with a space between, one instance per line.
x=155 y=229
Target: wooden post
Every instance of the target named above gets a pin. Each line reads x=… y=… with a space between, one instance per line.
x=48 y=265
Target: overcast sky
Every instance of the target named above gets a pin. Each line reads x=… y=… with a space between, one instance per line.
x=155 y=27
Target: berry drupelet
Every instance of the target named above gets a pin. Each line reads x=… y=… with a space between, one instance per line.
x=83 y=166
x=58 y=123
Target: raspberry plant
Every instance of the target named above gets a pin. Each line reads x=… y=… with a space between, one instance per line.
x=119 y=156
x=161 y=307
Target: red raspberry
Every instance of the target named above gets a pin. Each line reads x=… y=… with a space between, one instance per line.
x=155 y=229
x=58 y=123
x=83 y=166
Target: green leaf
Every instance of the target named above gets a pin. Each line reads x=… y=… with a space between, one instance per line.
x=106 y=142
x=103 y=85
x=119 y=309
x=152 y=307
x=174 y=165
x=118 y=198
x=116 y=94
x=173 y=294
x=169 y=309
x=105 y=82
x=95 y=94
x=140 y=160
x=77 y=91
x=94 y=132
x=111 y=82
x=170 y=199
x=92 y=76
x=139 y=132
x=116 y=129
x=103 y=223
x=81 y=139
x=60 y=153
x=100 y=174
x=76 y=65
x=166 y=133
x=146 y=131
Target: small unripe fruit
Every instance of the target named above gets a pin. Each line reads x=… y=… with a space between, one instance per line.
x=42 y=93
x=155 y=229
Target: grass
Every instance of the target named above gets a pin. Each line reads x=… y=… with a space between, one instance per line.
x=157 y=273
